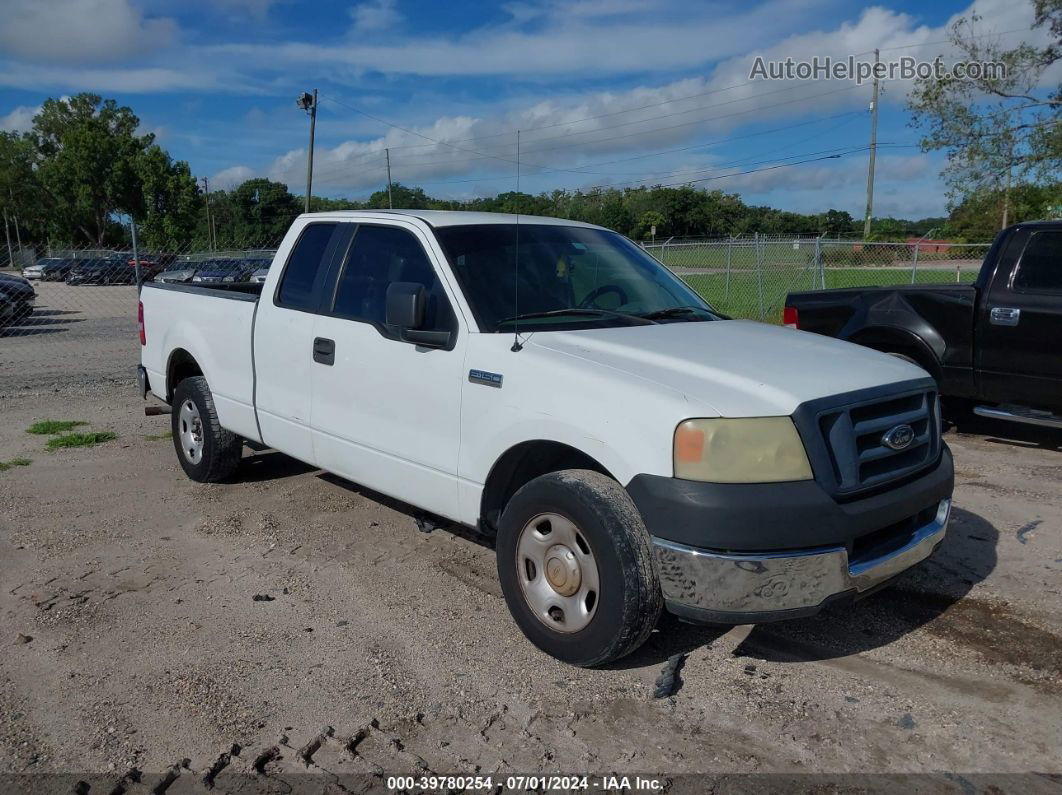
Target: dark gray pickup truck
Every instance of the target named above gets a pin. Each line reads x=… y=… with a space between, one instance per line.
x=995 y=345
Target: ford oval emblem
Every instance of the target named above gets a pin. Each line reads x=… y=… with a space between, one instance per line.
x=898 y=438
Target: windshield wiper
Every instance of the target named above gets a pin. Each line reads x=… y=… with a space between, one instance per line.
x=640 y=319
x=673 y=311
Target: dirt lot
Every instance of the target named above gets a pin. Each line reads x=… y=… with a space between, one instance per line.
x=150 y=622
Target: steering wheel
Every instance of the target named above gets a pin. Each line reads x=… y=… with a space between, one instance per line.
x=590 y=302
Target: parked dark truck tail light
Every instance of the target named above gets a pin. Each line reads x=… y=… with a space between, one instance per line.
x=791 y=317
x=631 y=449
x=993 y=344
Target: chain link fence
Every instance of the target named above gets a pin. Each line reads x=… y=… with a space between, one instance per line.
x=749 y=277
x=69 y=315
x=81 y=322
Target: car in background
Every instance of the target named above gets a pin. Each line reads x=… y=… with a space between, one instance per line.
x=180 y=274
x=225 y=270
x=17 y=298
x=151 y=265
x=101 y=271
x=992 y=346
x=49 y=269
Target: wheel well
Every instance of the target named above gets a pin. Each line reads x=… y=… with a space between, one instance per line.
x=909 y=347
x=182 y=365
x=525 y=462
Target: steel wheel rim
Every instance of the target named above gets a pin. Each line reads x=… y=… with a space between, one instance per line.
x=190 y=432
x=557 y=573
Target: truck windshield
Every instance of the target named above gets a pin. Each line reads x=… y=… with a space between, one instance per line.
x=563 y=277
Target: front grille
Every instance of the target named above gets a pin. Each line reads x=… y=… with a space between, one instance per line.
x=851 y=439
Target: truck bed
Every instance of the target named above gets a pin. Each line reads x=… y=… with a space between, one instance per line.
x=933 y=324
x=217 y=323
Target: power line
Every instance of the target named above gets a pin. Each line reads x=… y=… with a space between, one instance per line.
x=642 y=156
x=484 y=156
x=620 y=112
x=643 y=177
x=720 y=90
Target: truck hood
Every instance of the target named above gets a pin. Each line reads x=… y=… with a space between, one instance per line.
x=734 y=368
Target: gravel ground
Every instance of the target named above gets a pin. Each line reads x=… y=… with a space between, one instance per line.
x=291 y=622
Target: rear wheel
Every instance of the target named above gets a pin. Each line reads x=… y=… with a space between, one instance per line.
x=575 y=565
x=207 y=452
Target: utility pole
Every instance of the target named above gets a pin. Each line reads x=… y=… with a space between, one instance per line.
x=1006 y=189
x=390 y=206
x=14 y=218
x=7 y=234
x=873 y=150
x=308 y=103
x=136 y=255
x=211 y=237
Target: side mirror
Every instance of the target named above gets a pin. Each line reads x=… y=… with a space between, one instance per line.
x=405 y=311
x=405 y=305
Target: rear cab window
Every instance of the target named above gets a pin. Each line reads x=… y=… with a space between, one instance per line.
x=1040 y=266
x=307 y=266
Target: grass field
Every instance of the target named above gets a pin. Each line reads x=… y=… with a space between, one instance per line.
x=788 y=254
x=749 y=296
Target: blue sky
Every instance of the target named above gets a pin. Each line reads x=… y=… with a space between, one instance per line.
x=605 y=92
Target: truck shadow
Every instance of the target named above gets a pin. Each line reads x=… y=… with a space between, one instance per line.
x=268 y=465
x=24 y=331
x=1010 y=433
x=919 y=597
x=424 y=522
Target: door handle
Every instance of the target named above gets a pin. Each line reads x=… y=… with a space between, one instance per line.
x=1004 y=316
x=324 y=351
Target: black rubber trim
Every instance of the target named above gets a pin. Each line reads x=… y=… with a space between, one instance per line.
x=233 y=291
x=747 y=517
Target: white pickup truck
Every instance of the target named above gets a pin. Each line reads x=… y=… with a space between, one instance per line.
x=551 y=383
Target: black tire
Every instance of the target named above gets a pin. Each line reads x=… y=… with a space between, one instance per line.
x=629 y=603
x=221 y=449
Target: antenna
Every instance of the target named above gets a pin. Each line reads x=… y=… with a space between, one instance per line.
x=517 y=345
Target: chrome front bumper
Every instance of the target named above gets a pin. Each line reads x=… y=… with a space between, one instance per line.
x=750 y=588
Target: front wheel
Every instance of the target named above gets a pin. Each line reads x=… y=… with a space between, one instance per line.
x=207 y=452
x=575 y=565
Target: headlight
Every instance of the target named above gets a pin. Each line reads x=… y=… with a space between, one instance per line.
x=197 y=278
x=753 y=450
x=229 y=279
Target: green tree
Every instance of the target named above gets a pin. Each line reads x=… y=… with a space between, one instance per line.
x=256 y=213
x=21 y=197
x=87 y=151
x=835 y=222
x=648 y=220
x=976 y=218
x=402 y=197
x=168 y=200
x=1013 y=136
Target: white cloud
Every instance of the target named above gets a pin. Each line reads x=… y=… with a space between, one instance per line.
x=20 y=119
x=374 y=15
x=675 y=36
x=133 y=80
x=81 y=31
x=570 y=132
x=229 y=178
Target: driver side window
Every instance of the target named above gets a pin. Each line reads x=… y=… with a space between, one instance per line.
x=380 y=256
